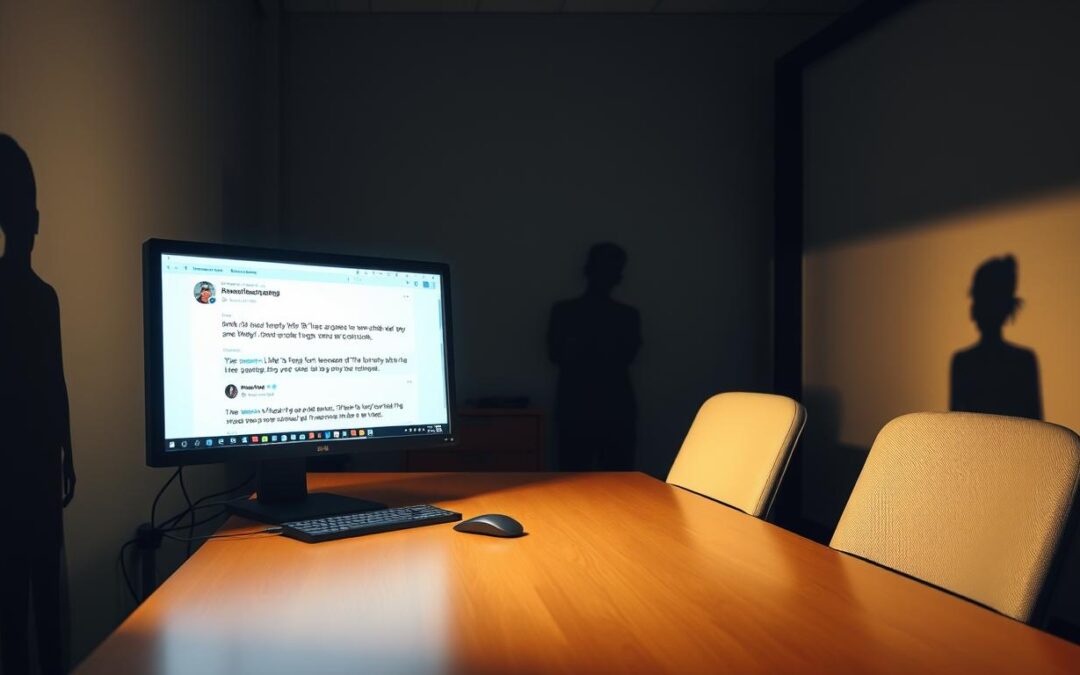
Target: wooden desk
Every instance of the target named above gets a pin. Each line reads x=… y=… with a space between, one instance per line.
x=619 y=573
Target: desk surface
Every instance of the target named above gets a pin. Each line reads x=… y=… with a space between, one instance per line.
x=619 y=573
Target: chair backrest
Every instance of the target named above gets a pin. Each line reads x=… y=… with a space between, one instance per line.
x=738 y=448
x=975 y=504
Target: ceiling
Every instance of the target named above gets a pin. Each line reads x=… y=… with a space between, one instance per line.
x=579 y=6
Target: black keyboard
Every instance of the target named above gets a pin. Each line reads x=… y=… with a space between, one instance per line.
x=366 y=522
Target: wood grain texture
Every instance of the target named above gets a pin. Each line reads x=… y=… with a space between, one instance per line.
x=619 y=573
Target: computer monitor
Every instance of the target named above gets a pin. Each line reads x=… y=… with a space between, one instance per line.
x=277 y=356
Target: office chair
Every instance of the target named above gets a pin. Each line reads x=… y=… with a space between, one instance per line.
x=738 y=448
x=974 y=504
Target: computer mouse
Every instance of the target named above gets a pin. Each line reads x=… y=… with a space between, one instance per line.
x=493 y=524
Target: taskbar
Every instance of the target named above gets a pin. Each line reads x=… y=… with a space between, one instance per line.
x=202 y=442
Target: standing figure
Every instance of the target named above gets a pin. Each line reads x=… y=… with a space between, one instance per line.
x=994 y=376
x=37 y=474
x=593 y=339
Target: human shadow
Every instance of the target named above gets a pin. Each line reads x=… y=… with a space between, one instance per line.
x=37 y=475
x=994 y=376
x=593 y=339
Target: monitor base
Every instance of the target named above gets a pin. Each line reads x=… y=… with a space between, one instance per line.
x=313 y=505
x=283 y=496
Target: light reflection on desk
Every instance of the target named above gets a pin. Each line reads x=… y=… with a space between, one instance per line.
x=304 y=624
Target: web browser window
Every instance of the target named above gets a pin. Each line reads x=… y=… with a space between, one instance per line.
x=265 y=352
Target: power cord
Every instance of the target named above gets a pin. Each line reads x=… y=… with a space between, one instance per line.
x=198 y=504
x=172 y=527
x=149 y=536
x=157 y=497
x=272 y=531
x=123 y=569
x=190 y=509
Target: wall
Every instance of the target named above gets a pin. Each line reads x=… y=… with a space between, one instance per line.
x=942 y=138
x=506 y=145
x=134 y=116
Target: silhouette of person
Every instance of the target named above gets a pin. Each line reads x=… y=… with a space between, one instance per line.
x=994 y=376
x=37 y=474
x=593 y=339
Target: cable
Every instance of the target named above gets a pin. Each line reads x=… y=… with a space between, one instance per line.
x=178 y=517
x=242 y=484
x=190 y=509
x=198 y=502
x=124 y=571
x=172 y=524
x=157 y=498
x=272 y=531
x=153 y=519
x=205 y=520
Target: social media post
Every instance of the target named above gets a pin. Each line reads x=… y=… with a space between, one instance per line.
x=332 y=335
x=292 y=339
x=356 y=401
x=328 y=316
x=301 y=348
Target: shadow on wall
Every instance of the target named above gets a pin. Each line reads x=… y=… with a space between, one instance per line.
x=37 y=444
x=832 y=466
x=593 y=340
x=994 y=376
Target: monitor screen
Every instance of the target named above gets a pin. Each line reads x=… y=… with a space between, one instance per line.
x=254 y=353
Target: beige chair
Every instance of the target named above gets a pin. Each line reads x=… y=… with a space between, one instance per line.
x=738 y=448
x=975 y=504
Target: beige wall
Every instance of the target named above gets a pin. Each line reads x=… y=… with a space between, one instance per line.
x=921 y=163
x=125 y=109
x=887 y=312
x=943 y=137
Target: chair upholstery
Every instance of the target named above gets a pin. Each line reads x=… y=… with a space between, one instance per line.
x=975 y=504
x=738 y=448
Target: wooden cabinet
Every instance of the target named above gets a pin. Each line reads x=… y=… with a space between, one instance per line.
x=489 y=439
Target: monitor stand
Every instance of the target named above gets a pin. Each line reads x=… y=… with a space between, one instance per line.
x=283 y=496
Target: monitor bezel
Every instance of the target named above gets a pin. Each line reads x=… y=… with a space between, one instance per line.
x=156 y=453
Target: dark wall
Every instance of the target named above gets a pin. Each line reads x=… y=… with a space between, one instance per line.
x=944 y=137
x=138 y=120
x=505 y=145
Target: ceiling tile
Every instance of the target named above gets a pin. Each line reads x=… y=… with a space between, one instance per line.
x=609 y=6
x=353 y=5
x=710 y=6
x=435 y=6
x=542 y=6
x=309 y=5
x=810 y=6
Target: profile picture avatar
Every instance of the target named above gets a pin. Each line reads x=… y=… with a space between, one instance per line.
x=231 y=391
x=204 y=293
